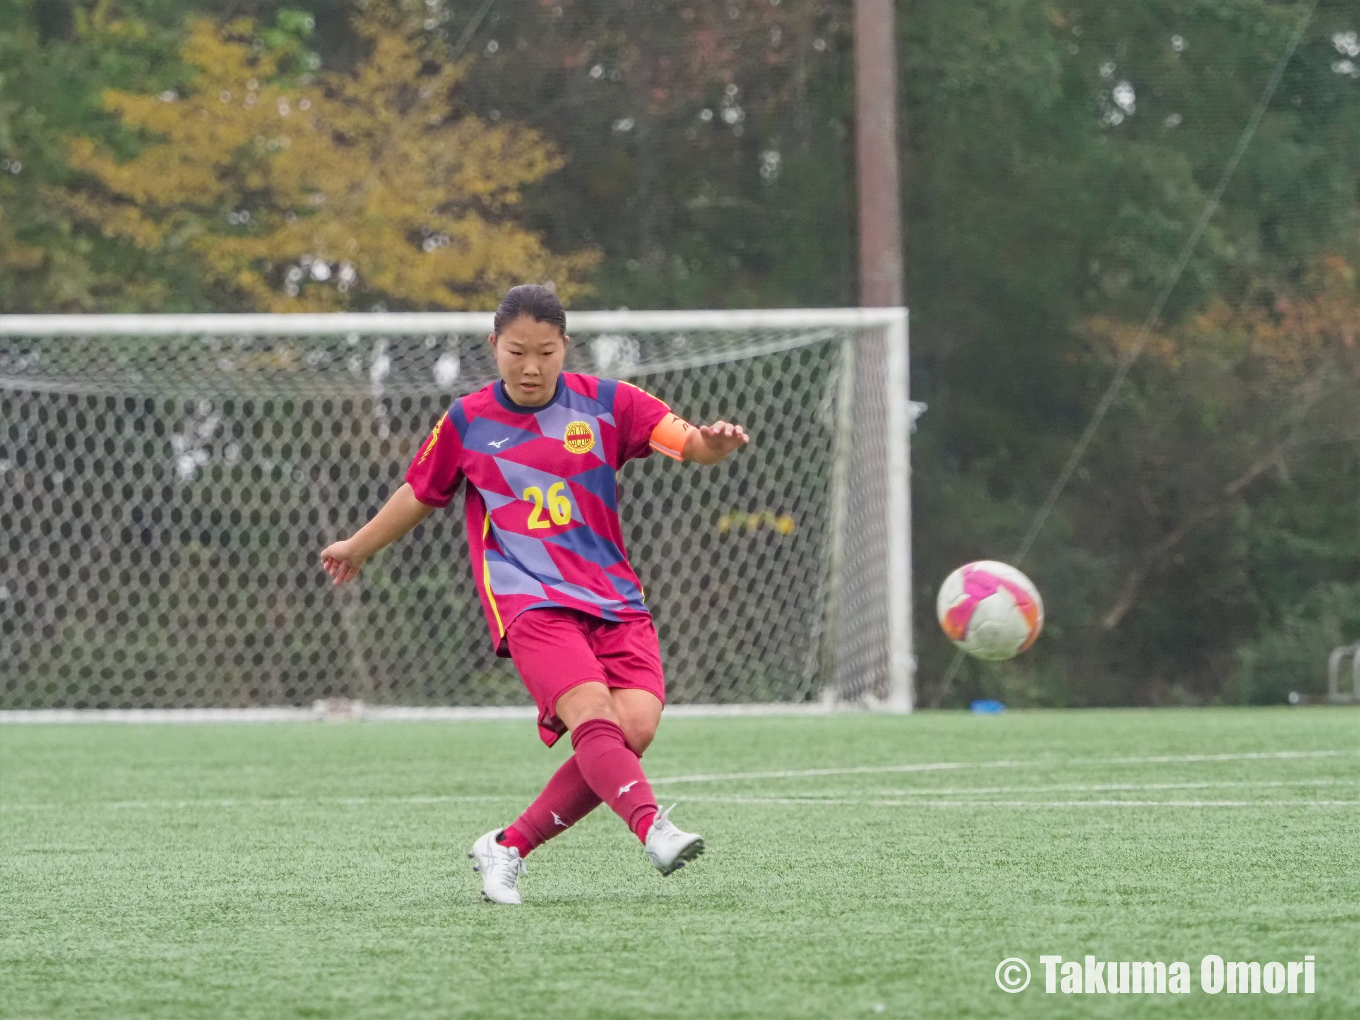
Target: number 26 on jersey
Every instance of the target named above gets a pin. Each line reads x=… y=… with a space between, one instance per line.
x=557 y=504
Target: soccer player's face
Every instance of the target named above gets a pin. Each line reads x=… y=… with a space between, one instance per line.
x=529 y=356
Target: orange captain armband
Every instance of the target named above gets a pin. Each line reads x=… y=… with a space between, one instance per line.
x=670 y=435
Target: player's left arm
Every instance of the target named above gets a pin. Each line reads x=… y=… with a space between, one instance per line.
x=705 y=444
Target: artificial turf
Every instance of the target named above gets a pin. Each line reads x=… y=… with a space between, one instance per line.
x=296 y=870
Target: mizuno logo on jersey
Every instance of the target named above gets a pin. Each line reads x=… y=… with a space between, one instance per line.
x=499 y=442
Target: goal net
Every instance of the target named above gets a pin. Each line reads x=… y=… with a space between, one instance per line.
x=167 y=482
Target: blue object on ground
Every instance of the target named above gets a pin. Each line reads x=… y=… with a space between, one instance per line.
x=987 y=706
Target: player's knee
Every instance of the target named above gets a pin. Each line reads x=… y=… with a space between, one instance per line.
x=585 y=703
x=639 y=734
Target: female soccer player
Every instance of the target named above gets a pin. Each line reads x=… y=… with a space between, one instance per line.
x=541 y=450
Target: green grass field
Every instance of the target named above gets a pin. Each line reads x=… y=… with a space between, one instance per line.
x=296 y=870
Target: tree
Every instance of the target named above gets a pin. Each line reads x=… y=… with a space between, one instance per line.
x=52 y=70
x=295 y=191
x=1060 y=155
x=711 y=163
x=1236 y=395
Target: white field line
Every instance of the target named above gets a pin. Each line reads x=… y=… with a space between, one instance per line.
x=287 y=802
x=1092 y=788
x=355 y=711
x=940 y=766
x=871 y=797
x=940 y=802
x=810 y=801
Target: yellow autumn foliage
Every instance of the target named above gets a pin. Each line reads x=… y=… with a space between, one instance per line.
x=14 y=254
x=306 y=193
x=1288 y=330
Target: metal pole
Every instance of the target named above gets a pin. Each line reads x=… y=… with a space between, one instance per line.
x=880 y=215
x=901 y=659
x=833 y=657
x=880 y=275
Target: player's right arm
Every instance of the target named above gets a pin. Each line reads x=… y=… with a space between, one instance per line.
x=399 y=514
x=431 y=481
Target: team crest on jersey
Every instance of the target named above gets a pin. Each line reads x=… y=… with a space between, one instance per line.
x=579 y=437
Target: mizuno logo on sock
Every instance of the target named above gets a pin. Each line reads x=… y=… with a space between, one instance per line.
x=626 y=787
x=557 y=820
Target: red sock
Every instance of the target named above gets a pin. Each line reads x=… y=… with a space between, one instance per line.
x=644 y=823
x=564 y=801
x=614 y=772
x=513 y=837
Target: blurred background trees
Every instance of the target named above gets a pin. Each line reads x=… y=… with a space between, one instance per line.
x=645 y=154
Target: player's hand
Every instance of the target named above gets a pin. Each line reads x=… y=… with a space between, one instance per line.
x=342 y=561
x=721 y=438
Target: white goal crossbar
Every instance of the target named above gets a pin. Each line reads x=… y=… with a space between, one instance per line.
x=156 y=468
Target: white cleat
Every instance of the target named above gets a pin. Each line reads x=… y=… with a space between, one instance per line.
x=500 y=867
x=668 y=847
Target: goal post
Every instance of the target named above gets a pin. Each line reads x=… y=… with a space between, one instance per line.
x=167 y=481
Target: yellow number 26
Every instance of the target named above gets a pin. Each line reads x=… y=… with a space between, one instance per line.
x=559 y=506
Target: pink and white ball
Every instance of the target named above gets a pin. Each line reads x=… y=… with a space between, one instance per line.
x=990 y=610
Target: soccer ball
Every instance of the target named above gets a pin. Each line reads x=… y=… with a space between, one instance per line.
x=990 y=610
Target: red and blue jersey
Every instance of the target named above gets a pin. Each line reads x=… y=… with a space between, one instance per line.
x=542 y=499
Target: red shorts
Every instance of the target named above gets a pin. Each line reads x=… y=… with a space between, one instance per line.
x=557 y=649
